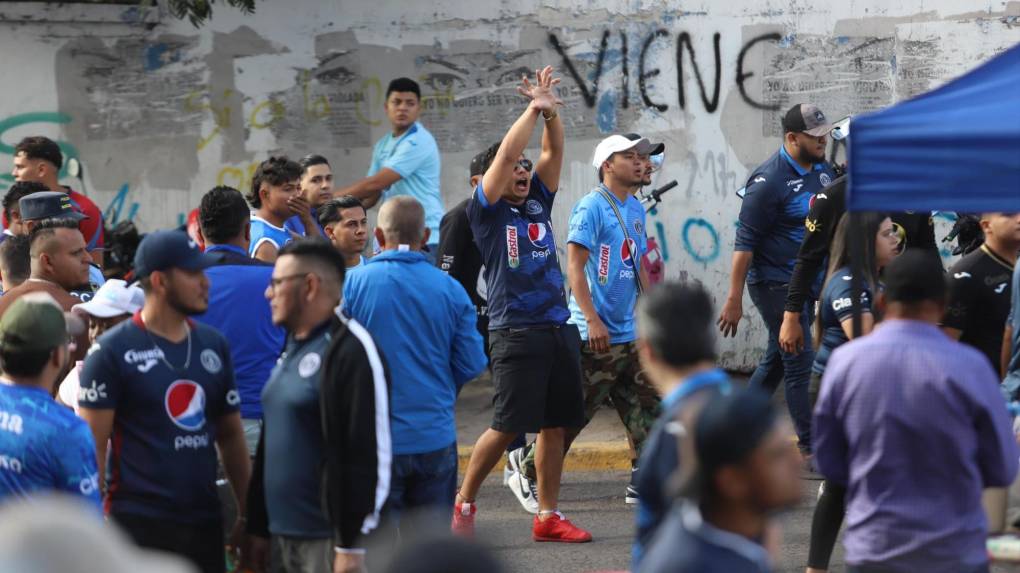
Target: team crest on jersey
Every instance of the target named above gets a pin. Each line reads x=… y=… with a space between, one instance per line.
x=185 y=405
x=309 y=364
x=638 y=227
x=824 y=179
x=211 y=361
x=513 y=256
x=533 y=207
x=603 y=270
x=627 y=250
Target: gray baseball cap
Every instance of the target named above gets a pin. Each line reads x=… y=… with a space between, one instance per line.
x=806 y=118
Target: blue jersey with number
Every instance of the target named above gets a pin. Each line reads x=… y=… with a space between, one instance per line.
x=522 y=273
x=612 y=267
x=44 y=447
x=167 y=405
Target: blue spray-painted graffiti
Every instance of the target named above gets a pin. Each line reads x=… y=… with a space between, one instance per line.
x=660 y=230
x=701 y=254
x=113 y=210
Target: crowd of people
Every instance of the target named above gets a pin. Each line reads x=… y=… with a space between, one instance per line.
x=314 y=363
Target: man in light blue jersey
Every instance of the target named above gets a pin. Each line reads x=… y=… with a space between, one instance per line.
x=43 y=445
x=605 y=244
x=405 y=161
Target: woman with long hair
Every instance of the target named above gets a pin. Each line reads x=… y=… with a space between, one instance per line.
x=834 y=327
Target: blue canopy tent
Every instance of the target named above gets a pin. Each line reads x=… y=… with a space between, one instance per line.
x=955 y=148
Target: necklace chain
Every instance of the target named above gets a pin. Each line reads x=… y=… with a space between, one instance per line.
x=162 y=354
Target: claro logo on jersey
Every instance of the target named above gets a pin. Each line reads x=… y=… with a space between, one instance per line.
x=604 y=254
x=513 y=257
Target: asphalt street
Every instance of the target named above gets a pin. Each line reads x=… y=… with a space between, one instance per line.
x=594 y=500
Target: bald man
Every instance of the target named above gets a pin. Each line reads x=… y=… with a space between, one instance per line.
x=413 y=309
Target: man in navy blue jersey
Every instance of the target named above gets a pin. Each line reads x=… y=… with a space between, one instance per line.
x=535 y=353
x=237 y=305
x=776 y=200
x=165 y=397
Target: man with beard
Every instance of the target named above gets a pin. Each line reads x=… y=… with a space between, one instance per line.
x=160 y=388
x=776 y=198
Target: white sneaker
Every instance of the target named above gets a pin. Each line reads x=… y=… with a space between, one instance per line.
x=524 y=489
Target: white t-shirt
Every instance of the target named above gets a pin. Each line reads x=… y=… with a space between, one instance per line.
x=68 y=391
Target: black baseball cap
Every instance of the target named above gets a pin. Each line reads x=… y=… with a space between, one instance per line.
x=173 y=249
x=914 y=276
x=48 y=205
x=806 y=118
x=657 y=148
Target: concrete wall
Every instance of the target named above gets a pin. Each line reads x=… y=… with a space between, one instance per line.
x=158 y=111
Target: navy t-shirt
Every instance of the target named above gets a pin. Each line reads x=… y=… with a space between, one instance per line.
x=522 y=272
x=777 y=197
x=162 y=463
x=835 y=307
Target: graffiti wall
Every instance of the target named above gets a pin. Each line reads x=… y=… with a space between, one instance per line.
x=158 y=112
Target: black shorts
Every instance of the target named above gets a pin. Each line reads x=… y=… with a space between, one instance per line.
x=537 y=375
x=203 y=544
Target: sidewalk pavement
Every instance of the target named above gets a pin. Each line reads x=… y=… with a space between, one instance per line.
x=602 y=446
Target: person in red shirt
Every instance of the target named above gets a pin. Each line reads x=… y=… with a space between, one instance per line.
x=39 y=159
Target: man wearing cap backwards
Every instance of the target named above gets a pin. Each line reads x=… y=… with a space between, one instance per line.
x=888 y=401
x=535 y=353
x=42 y=445
x=114 y=303
x=44 y=205
x=160 y=387
x=59 y=264
x=39 y=159
x=745 y=470
x=776 y=198
x=605 y=245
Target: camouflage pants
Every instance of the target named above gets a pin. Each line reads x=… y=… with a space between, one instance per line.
x=614 y=377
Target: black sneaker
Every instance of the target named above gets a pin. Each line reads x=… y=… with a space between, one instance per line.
x=632 y=492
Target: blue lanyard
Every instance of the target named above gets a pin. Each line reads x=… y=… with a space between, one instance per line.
x=713 y=377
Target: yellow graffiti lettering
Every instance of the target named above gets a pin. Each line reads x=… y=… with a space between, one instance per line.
x=276 y=113
x=237 y=177
x=368 y=84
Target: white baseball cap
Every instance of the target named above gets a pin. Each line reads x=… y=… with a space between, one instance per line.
x=617 y=143
x=114 y=298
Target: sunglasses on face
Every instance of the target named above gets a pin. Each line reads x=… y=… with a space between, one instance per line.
x=526 y=164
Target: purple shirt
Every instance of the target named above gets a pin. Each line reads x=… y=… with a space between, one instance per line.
x=915 y=425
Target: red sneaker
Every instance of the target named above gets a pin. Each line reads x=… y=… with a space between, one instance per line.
x=558 y=529
x=463 y=524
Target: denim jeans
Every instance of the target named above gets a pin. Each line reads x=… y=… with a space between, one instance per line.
x=422 y=484
x=776 y=365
